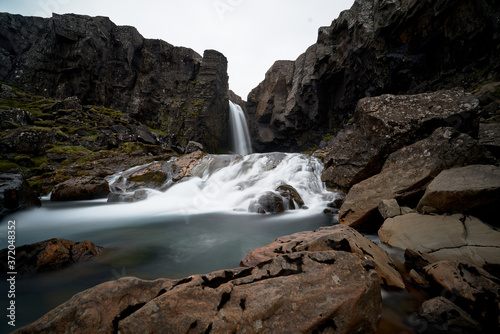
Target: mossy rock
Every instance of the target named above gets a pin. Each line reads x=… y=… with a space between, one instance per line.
x=24 y=160
x=7 y=166
x=153 y=178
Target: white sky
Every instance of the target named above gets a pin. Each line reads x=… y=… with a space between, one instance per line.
x=252 y=34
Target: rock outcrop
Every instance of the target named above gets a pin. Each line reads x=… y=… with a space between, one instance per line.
x=471 y=288
x=473 y=189
x=16 y=194
x=376 y=47
x=455 y=237
x=169 y=88
x=338 y=238
x=299 y=292
x=387 y=123
x=80 y=188
x=407 y=172
x=134 y=184
x=50 y=255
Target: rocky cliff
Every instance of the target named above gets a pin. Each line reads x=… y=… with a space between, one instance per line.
x=376 y=47
x=171 y=89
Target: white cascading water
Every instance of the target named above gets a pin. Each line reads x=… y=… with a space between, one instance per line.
x=232 y=182
x=240 y=136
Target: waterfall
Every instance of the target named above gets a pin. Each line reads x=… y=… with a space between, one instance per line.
x=240 y=136
x=225 y=183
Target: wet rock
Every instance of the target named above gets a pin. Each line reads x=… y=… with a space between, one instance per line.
x=51 y=255
x=99 y=309
x=16 y=194
x=457 y=237
x=136 y=196
x=407 y=172
x=80 y=188
x=387 y=123
x=268 y=202
x=158 y=175
x=339 y=238
x=186 y=163
x=290 y=196
x=337 y=201
x=153 y=176
x=471 y=288
x=473 y=189
x=440 y=314
x=300 y=292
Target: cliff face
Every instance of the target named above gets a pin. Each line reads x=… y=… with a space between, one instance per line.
x=170 y=88
x=376 y=47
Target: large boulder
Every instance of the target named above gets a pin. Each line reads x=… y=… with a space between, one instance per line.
x=291 y=196
x=268 y=202
x=159 y=175
x=300 y=292
x=97 y=309
x=473 y=189
x=387 y=123
x=407 y=172
x=80 y=188
x=50 y=255
x=442 y=315
x=457 y=237
x=339 y=238
x=16 y=194
x=471 y=288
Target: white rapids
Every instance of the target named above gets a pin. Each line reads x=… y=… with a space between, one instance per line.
x=231 y=182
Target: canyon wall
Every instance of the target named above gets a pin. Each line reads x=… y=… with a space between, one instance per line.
x=376 y=47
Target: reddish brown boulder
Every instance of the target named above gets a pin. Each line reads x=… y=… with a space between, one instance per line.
x=98 y=309
x=471 y=288
x=300 y=292
x=473 y=189
x=451 y=237
x=80 y=188
x=339 y=238
x=50 y=255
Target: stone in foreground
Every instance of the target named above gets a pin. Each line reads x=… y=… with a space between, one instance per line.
x=471 y=288
x=407 y=172
x=300 y=292
x=80 y=189
x=455 y=237
x=473 y=189
x=50 y=255
x=338 y=238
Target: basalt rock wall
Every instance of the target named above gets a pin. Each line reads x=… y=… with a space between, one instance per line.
x=376 y=47
x=171 y=89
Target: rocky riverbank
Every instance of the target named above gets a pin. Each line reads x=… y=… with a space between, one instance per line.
x=434 y=197
x=403 y=97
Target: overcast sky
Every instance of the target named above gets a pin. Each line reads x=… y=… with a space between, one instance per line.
x=252 y=34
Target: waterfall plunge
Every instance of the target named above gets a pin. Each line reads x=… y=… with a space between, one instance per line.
x=240 y=136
